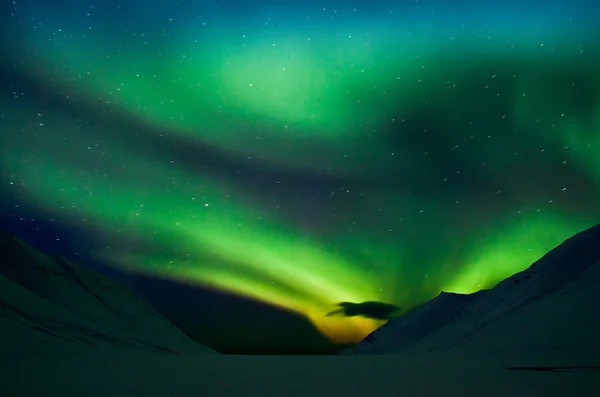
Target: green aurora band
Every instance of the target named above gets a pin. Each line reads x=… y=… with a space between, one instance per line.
x=520 y=118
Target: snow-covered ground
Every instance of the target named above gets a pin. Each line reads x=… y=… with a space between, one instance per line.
x=398 y=375
x=534 y=334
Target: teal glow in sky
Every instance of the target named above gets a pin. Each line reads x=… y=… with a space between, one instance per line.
x=307 y=154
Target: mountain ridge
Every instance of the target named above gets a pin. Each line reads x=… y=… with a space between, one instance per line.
x=535 y=300
x=48 y=303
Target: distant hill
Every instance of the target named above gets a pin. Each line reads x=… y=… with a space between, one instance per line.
x=49 y=304
x=550 y=307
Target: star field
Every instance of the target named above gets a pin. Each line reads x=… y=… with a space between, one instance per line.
x=307 y=153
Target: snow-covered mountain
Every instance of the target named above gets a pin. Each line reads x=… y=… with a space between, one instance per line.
x=49 y=304
x=550 y=307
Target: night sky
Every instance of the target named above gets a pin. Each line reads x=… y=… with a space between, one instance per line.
x=248 y=166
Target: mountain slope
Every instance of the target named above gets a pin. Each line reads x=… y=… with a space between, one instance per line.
x=551 y=306
x=49 y=304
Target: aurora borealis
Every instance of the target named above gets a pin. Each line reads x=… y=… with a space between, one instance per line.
x=304 y=154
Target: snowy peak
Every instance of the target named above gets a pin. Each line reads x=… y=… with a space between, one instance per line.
x=49 y=303
x=550 y=305
x=559 y=267
x=416 y=324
